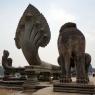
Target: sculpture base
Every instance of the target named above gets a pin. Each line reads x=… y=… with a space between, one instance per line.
x=74 y=88
x=11 y=84
x=30 y=85
x=32 y=82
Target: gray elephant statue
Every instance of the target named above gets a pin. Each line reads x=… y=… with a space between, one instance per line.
x=71 y=46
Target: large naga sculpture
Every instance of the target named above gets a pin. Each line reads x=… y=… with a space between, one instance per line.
x=71 y=46
x=32 y=32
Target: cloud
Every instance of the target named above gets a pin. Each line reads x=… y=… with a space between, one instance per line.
x=59 y=15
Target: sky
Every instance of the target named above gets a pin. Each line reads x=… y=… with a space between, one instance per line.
x=56 y=12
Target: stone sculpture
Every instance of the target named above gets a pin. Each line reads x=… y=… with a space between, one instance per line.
x=7 y=65
x=32 y=32
x=71 y=46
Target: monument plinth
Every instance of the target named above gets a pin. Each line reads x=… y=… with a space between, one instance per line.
x=74 y=88
x=31 y=80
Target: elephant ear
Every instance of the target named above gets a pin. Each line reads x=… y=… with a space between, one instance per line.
x=32 y=32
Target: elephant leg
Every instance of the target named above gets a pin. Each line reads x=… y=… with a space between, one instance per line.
x=62 y=66
x=87 y=64
x=80 y=68
x=67 y=67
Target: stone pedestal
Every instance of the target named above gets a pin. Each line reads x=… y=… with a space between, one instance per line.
x=32 y=72
x=44 y=76
x=49 y=91
x=74 y=88
x=11 y=84
x=31 y=81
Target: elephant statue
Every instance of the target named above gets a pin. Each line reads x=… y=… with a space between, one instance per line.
x=71 y=47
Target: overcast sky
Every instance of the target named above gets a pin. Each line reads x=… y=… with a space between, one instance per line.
x=57 y=12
